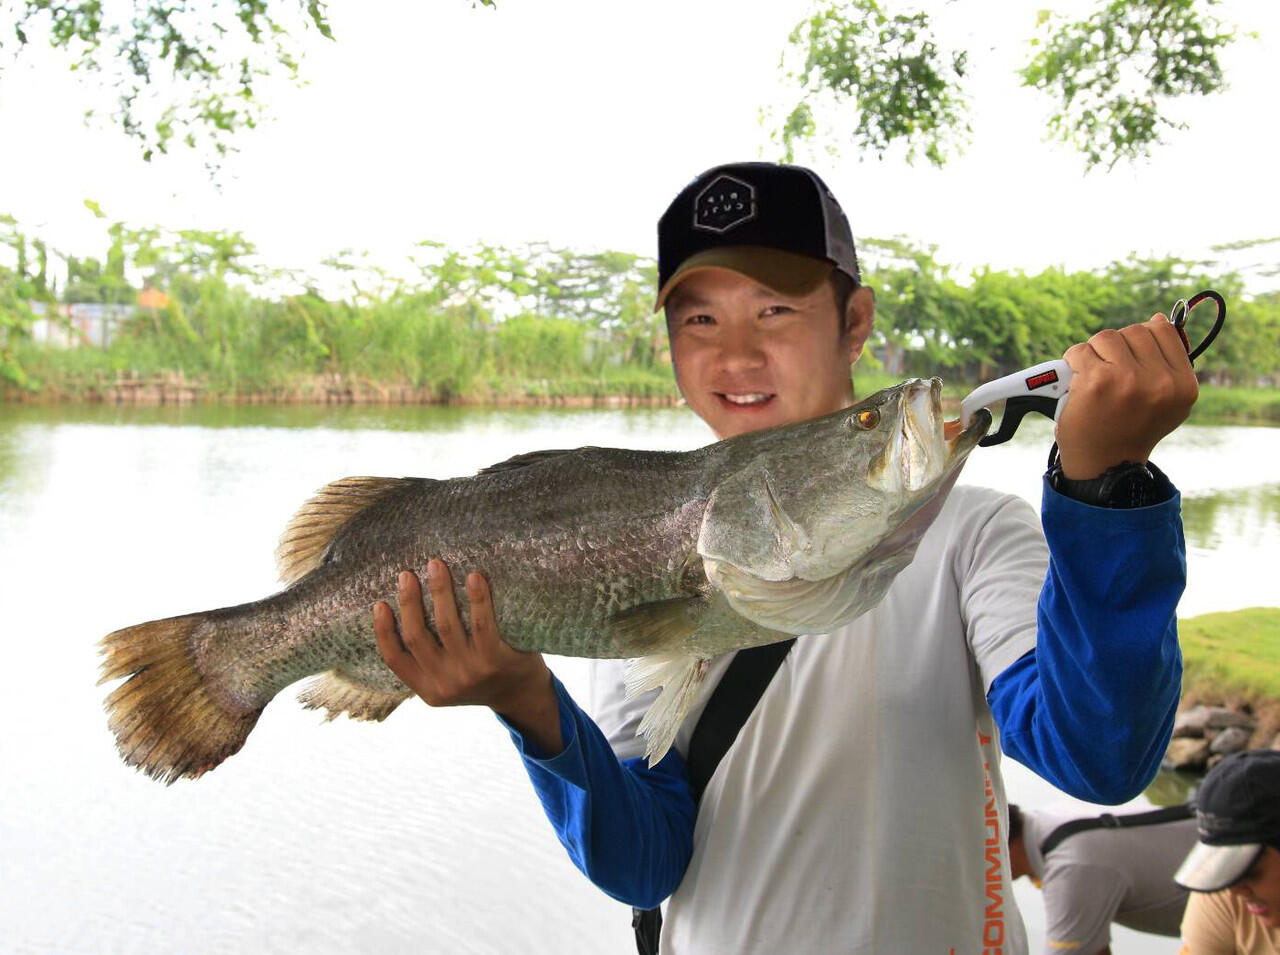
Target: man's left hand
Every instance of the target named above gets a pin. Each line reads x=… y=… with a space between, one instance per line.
x=1130 y=388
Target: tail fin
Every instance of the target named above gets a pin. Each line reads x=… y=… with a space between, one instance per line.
x=165 y=717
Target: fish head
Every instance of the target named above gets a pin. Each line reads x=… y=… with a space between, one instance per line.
x=851 y=492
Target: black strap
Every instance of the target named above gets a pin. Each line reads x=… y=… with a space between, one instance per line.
x=735 y=696
x=648 y=927
x=1110 y=821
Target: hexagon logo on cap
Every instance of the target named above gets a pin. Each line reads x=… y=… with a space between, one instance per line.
x=726 y=202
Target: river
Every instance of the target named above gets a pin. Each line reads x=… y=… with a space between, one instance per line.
x=417 y=835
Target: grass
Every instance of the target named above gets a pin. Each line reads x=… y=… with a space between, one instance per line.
x=1238 y=404
x=1234 y=653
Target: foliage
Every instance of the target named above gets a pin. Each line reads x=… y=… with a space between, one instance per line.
x=1238 y=404
x=1116 y=72
x=888 y=66
x=1114 y=76
x=193 y=73
x=538 y=320
x=211 y=55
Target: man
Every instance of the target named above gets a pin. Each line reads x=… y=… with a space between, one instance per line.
x=1102 y=869
x=1234 y=870
x=861 y=807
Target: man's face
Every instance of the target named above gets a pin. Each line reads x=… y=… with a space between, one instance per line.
x=1260 y=888
x=747 y=357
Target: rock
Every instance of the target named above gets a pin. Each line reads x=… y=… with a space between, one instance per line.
x=1187 y=754
x=1221 y=718
x=1230 y=740
x=1191 y=723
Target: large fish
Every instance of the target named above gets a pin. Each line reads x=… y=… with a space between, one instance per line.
x=667 y=558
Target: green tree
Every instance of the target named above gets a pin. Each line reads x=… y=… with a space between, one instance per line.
x=16 y=317
x=1114 y=76
x=210 y=57
x=191 y=73
x=1115 y=73
x=917 y=306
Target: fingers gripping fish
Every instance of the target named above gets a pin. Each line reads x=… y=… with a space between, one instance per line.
x=665 y=558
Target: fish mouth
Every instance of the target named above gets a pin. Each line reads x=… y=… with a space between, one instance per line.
x=923 y=450
x=960 y=440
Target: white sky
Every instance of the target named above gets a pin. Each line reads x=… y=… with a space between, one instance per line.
x=576 y=121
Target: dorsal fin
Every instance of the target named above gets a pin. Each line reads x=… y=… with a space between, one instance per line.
x=523 y=460
x=307 y=536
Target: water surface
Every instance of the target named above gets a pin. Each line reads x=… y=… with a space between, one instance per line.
x=417 y=835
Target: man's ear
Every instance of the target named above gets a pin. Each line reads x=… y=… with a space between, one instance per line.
x=859 y=319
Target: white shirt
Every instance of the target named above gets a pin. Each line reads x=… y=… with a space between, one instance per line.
x=861 y=808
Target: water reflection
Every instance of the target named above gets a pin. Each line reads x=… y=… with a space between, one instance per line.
x=1171 y=788
x=343 y=417
x=1243 y=514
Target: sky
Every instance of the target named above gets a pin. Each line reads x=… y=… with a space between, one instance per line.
x=576 y=121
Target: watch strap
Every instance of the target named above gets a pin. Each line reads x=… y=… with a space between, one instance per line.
x=1128 y=484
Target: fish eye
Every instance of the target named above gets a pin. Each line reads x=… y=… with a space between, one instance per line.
x=866 y=420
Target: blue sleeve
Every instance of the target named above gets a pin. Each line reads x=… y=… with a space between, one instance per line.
x=1091 y=708
x=628 y=827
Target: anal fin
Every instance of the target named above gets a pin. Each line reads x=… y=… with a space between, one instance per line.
x=681 y=676
x=337 y=692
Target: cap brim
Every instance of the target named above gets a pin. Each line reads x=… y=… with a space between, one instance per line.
x=1213 y=868
x=785 y=272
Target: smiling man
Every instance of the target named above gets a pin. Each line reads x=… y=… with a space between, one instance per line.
x=1234 y=871
x=861 y=807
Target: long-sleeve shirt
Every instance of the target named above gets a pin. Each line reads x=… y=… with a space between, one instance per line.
x=1083 y=691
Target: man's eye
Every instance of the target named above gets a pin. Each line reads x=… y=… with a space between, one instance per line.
x=699 y=320
x=778 y=310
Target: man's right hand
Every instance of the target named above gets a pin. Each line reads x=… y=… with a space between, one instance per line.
x=456 y=667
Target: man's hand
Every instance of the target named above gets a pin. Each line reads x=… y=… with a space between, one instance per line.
x=1130 y=388
x=455 y=667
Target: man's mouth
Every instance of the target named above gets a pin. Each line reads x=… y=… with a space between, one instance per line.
x=745 y=399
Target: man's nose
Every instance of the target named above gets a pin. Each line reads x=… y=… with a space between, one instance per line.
x=742 y=351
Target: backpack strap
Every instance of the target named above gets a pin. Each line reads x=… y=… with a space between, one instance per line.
x=1111 y=821
x=733 y=700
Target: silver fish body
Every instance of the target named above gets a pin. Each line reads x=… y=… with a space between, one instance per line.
x=665 y=558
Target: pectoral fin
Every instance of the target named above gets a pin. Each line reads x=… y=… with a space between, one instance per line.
x=681 y=676
x=663 y=625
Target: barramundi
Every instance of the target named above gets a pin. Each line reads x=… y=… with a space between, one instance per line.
x=664 y=558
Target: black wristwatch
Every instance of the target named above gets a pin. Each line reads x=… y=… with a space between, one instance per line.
x=1128 y=484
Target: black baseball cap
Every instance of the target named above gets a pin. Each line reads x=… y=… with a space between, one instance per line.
x=1237 y=816
x=778 y=224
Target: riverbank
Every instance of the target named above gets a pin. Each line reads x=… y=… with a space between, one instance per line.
x=617 y=388
x=1230 y=686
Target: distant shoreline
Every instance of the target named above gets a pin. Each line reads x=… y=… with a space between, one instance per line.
x=405 y=397
x=1249 y=406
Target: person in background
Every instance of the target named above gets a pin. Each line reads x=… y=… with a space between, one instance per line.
x=861 y=808
x=1233 y=871
x=1095 y=870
